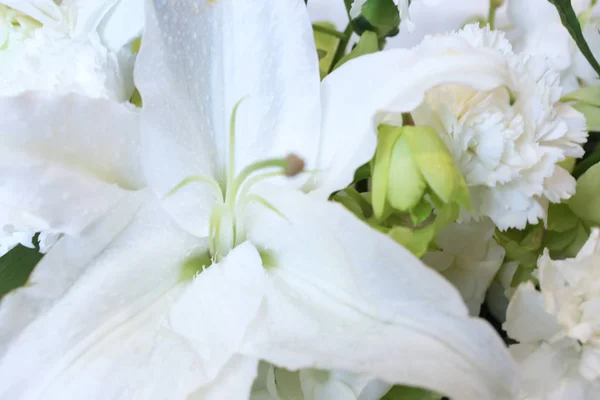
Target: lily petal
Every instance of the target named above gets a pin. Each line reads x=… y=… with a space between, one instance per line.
x=234 y=381
x=66 y=159
x=197 y=61
x=343 y=296
x=47 y=285
x=359 y=94
x=87 y=14
x=105 y=334
x=123 y=24
x=216 y=308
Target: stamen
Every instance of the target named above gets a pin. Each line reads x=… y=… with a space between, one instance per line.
x=197 y=178
x=231 y=156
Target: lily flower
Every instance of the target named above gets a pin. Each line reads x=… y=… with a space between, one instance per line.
x=237 y=256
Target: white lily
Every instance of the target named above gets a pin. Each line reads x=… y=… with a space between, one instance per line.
x=296 y=281
x=49 y=54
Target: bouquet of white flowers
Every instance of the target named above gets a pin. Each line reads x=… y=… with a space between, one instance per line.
x=287 y=199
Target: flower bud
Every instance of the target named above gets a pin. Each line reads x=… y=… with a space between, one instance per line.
x=410 y=162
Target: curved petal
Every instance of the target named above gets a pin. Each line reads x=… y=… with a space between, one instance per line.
x=215 y=332
x=197 y=61
x=393 y=81
x=234 y=381
x=87 y=14
x=65 y=159
x=47 y=284
x=45 y=11
x=106 y=334
x=122 y=24
x=343 y=296
x=526 y=319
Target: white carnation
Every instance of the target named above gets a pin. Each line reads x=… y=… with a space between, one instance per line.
x=469 y=258
x=558 y=328
x=55 y=57
x=506 y=141
x=63 y=47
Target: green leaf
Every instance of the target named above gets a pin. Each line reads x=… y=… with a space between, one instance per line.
x=570 y=21
x=327 y=45
x=559 y=241
x=380 y=16
x=421 y=212
x=586 y=201
x=416 y=241
x=561 y=218
x=592 y=115
x=523 y=274
x=533 y=239
x=367 y=44
x=410 y=393
x=348 y=203
x=588 y=95
x=515 y=252
x=16 y=266
x=581 y=236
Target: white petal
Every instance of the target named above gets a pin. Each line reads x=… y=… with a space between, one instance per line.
x=122 y=24
x=104 y=332
x=45 y=11
x=343 y=296
x=66 y=160
x=559 y=186
x=591 y=246
x=328 y=11
x=198 y=59
x=216 y=308
x=87 y=14
x=357 y=95
x=430 y=19
x=526 y=319
x=234 y=381
x=47 y=284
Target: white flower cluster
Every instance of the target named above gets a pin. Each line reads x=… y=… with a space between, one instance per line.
x=193 y=247
x=507 y=141
x=558 y=327
x=67 y=47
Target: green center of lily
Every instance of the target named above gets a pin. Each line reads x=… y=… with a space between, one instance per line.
x=225 y=228
x=15 y=27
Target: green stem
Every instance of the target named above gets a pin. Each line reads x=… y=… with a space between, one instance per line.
x=328 y=31
x=492 y=13
x=585 y=164
x=341 y=50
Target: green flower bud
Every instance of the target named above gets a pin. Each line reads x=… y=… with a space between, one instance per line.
x=412 y=161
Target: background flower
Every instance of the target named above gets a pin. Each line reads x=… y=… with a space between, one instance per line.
x=558 y=328
x=506 y=141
